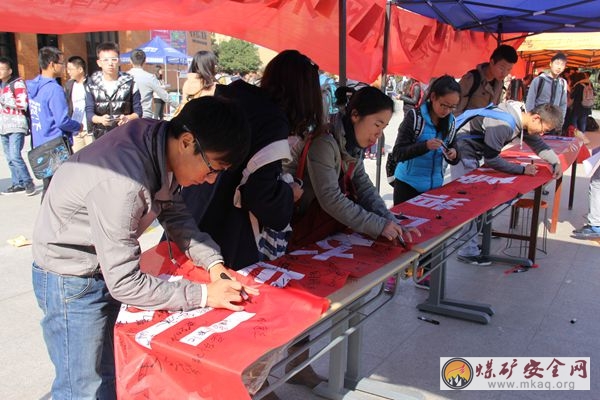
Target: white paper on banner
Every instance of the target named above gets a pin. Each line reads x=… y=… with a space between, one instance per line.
x=130 y=317
x=145 y=337
x=270 y=270
x=204 y=332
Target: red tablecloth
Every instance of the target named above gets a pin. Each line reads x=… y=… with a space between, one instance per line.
x=202 y=354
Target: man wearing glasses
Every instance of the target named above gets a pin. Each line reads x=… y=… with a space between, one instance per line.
x=85 y=244
x=112 y=96
x=482 y=138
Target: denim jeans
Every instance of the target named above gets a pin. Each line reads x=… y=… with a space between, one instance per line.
x=78 y=323
x=579 y=121
x=12 y=144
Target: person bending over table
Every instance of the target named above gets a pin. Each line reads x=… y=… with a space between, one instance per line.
x=287 y=102
x=336 y=186
x=85 y=242
x=482 y=139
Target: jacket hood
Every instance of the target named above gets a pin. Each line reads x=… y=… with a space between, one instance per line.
x=34 y=85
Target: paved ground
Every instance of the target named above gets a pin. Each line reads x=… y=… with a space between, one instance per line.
x=533 y=312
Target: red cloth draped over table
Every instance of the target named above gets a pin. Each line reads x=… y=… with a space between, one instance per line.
x=465 y=198
x=471 y=195
x=568 y=149
x=201 y=354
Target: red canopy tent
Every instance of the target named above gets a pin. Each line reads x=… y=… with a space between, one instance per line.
x=419 y=46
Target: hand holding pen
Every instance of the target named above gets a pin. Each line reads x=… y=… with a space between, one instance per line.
x=394 y=231
x=242 y=291
x=225 y=293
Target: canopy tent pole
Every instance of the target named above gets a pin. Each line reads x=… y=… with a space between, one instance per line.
x=342 y=41
x=384 y=67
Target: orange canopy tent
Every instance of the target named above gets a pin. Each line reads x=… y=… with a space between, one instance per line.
x=419 y=46
x=582 y=49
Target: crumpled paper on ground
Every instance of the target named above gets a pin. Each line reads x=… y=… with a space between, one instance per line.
x=19 y=241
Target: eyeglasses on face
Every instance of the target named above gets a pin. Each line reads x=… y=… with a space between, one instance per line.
x=448 y=106
x=542 y=130
x=211 y=170
x=109 y=60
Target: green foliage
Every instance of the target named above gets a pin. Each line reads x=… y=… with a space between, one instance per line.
x=236 y=55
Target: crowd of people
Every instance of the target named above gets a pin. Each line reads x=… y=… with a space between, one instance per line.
x=238 y=162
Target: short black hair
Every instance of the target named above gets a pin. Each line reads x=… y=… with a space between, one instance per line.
x=107 y=46
x=218 y=124
x=78 y=62
x=6 y=60
x=559 y=56
x=505 y=52
x=48 y=55
x=138 y=57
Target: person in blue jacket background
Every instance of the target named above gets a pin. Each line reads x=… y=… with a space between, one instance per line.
x=47 y=102
x=425 y=138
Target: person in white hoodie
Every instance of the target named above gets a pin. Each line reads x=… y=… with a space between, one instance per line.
x=14 y=127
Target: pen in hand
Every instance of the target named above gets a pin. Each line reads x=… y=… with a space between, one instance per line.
x=245 y=296
x=402 y=241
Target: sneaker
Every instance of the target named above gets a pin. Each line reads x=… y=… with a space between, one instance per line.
x=30 y=189
x=474 y=260
x=587 y=232
x=390 y=285
x=13 y=189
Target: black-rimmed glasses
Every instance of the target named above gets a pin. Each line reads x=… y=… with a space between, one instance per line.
x=542 y=131
x=211 y=169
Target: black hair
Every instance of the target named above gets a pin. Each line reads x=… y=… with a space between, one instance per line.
x=292 y=81
x=204 y=63
x=559 y=56
x=8 y=61
x=78 y=62
x=505 y=52
x=444 y=85
x=138 y=57
x=48 y=55
x=107 y=46
x=218 y=124
x=342 y=95
x=369 y=100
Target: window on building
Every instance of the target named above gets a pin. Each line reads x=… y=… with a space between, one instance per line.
x=47 y=40
x=7 y=46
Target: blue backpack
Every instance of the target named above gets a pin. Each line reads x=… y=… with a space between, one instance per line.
x=491 y=111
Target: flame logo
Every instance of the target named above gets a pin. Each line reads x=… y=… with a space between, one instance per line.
x=457 y=373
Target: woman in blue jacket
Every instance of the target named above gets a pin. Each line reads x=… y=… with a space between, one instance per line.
x=425 y=138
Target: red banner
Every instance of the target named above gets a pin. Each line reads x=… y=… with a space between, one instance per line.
x=201 y=354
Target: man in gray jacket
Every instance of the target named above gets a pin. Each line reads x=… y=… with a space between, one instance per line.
x=146 y=82
x=85 y=242
x=482 y=139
